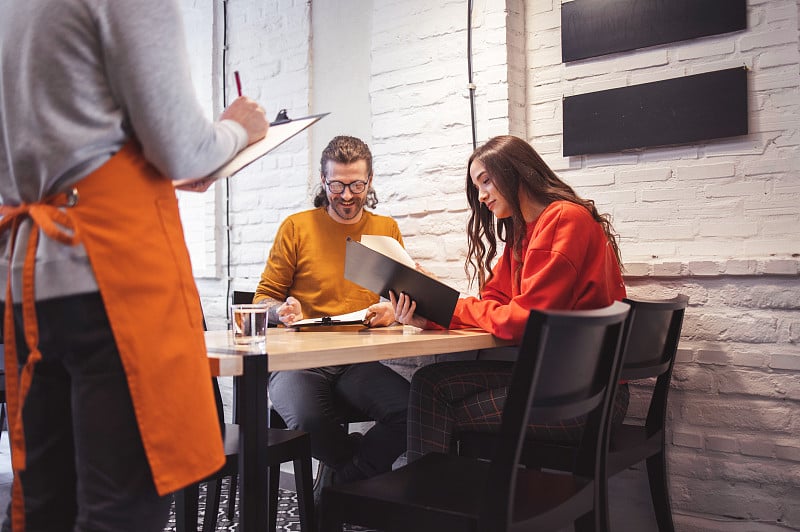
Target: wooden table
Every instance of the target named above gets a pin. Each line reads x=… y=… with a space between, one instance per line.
x=310 y=348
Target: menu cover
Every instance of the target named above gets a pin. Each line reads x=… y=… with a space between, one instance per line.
x=380 y=273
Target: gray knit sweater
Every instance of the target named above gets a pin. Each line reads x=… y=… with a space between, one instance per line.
x=78 y=78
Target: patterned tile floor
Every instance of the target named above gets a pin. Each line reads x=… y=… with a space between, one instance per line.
x=635 y=514
x=288 y=517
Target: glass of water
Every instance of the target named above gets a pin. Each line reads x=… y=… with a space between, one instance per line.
x=249 y=324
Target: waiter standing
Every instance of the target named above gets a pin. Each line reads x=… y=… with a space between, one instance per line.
x=109 y=391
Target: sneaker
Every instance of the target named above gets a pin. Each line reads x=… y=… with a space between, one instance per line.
x=356 y=438
x=328 y=476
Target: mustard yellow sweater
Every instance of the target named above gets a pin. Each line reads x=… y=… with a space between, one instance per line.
x=307 y=262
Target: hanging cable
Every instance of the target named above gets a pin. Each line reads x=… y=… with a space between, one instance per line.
x=228 y=278
x=469 y=75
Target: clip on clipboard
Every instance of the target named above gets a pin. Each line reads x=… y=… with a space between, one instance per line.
x=282 y=118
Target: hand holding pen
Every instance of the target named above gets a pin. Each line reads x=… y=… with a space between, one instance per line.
x=248 y=113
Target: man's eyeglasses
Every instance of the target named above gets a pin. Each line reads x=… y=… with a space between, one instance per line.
x=337 y=187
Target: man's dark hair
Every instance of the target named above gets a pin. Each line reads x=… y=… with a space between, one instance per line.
x=345 y=150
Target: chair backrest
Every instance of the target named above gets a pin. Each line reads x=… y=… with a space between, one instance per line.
x=654 y=330
x=568 y=365
x=240 y=297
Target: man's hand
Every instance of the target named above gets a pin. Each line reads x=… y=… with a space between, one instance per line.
x=404 y=309
x=380 y=315
x=290 y=311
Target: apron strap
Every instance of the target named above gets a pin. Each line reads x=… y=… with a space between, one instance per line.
x=58 y=225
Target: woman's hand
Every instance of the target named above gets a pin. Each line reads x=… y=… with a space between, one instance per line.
x=380 y=315
x=290 y=311
x=404 y=308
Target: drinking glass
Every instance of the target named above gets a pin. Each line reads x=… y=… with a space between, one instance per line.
x=249 y=324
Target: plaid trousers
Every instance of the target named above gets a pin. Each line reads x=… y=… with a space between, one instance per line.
x=449 y=397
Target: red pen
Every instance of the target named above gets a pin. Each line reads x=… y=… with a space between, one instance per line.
x=238 y=82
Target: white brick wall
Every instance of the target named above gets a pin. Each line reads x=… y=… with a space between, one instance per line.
x=717 y=220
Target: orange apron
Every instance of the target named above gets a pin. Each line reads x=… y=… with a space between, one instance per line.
x=126 y=216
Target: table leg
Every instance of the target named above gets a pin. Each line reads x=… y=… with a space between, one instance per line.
x=253 y=470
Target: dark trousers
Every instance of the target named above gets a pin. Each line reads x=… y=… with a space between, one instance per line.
x=469 y=395
x=312 y=400
x=86 y=468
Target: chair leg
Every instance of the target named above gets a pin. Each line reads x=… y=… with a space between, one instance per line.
x=601 y=505
x=186 y=508
x=330 y=521
x=233 y=484
x=274 y=485
x=304 y=485
x=588 y=522
x=659 y=491
x=213 y=488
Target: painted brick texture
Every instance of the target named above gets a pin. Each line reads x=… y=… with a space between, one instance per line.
x=717 y=221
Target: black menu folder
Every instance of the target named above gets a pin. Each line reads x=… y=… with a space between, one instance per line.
x=377 y=272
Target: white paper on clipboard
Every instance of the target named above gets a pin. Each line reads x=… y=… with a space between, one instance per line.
x=276 y=135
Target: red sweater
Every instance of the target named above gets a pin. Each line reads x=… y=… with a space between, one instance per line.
x=567 y=264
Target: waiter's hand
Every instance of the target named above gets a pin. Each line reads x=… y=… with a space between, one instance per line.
x=404 y=308
x=250 y=115
x=198 y=185
x=380 y=315
x=290 y=311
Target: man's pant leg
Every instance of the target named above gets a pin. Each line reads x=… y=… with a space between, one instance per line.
x=382 y=394
x=304 y=399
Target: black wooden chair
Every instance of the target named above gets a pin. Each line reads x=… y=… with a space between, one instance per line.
x=345 y=412
x=283 y=445
x=568 y=365
x=653 y=330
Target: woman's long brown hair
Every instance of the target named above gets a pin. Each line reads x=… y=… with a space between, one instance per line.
x=514 y=165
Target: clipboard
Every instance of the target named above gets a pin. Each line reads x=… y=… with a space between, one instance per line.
x=281 y=130
x=379 y=273
x=353 y=318
x=326 y=322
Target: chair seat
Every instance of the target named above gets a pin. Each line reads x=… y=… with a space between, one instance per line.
x=283 y=444
x=535 y=453
x=444 y=492
x=283 y=447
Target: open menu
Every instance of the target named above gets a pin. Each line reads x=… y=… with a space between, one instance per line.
x=277 y=134
x=380 y=264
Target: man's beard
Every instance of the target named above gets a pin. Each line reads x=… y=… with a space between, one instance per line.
x=350 y=210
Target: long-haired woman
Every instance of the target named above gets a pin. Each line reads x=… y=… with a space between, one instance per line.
x=560 y=253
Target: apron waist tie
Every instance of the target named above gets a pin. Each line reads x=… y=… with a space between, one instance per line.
x=58 y=225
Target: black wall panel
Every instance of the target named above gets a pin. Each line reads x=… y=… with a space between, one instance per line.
x=673 y=111
x=596 y=27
